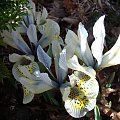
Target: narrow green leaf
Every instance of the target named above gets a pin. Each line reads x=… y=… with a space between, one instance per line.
x=110 y=104
x=97 y=113
x=110 y=80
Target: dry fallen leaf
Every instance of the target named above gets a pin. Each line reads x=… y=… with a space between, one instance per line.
x=115 y=116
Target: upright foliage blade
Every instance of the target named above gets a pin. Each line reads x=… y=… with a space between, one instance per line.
x=97 y=113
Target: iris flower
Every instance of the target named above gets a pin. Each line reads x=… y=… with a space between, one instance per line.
x=92 y=57
x=80 y=96
x=27 y=72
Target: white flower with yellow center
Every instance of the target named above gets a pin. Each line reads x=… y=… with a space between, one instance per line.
x=80 y=95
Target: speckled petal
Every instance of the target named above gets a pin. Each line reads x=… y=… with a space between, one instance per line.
x=35 y=87
x=27 y=96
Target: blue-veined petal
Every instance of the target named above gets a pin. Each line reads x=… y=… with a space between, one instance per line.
x=74 y=64
x=32 y=33
x=22 y=28
x=35 y=84
x=33 y=81
x=63 y=61
x=38 y=86
x=32 y=6
x=30 y=17
x=51 y=31
x=91 y=104
x=46 y=79
x=85 y=50
x=112 y=57
x=61 y=73
x=98 y=44
x=43 y=57
x=73 y=111
x=27 y=95
x=31 y=12
x=20 y=43
x=7 y=38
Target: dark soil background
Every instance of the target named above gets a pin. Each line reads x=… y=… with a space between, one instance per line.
x=68 y=13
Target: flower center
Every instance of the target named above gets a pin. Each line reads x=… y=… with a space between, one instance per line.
x=81 y=80
x=78 y=97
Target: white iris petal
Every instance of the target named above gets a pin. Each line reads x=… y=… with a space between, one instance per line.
x=74 y=64
x=85 y=50
x=112 y=57
x=98 y=44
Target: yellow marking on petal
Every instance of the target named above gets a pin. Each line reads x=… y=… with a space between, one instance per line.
x=29 y=68
x=20 y=72
x=80 y=102
x=78 y=97
x=26 y=91
x=56 y=36
x=84 y=78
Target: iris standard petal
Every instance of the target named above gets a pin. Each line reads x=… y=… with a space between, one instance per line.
x=73 y=45
x=43 y=57
x=98 y=44
x=20 y=43
x=61 y=73
x=85 y=50
x=70 y=52
x=71 y=37
x=43 y=16
x=112 y=57
x=50 y=31
x=32 y=34
x=62 y=60
x=7 y=38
